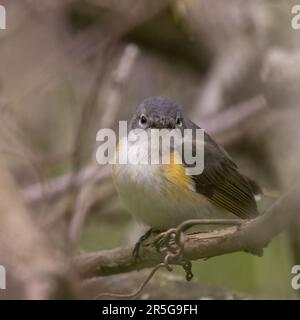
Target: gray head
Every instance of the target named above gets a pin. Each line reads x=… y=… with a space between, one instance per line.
x=157 y=113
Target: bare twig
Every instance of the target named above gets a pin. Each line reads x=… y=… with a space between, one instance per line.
x=173 y=241
x=252 y=236
x=137 y=291
x=59 y=186
x=226 y=121
x=84 y=199
x=157 y=288
x=34 y=265
x=235 y=115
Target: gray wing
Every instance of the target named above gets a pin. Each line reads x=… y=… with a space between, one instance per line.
x=222 y=183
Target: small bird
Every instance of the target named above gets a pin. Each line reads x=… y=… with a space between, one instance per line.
x=163 y=195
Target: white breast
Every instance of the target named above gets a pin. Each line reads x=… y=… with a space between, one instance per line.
x=151 y=198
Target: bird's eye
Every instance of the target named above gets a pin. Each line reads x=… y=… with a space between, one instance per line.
x=178 y=122
x=143 y=120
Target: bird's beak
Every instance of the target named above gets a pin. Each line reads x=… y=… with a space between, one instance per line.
x=162 y=123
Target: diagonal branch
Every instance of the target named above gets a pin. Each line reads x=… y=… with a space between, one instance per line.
x=252 y=236
x=221 y=126
x=84 y=199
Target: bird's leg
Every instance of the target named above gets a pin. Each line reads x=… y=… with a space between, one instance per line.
x=144 y=237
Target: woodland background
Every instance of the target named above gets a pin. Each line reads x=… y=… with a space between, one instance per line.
x=69 y=68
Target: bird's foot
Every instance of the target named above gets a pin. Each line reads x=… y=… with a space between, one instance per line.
x=167 y=241
x=137 y=247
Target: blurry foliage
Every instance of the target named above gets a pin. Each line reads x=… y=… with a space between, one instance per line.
x=46 y=74
x=83 y=15
x=175 y=42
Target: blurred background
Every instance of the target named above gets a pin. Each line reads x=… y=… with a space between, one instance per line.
x=69 y=68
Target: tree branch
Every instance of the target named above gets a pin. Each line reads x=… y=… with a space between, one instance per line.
x=84 y=199
x=58 y=186
x=221 y=126
x=35 y=267
x=252 y=236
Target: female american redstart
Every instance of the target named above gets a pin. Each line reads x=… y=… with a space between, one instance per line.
x=163 y=195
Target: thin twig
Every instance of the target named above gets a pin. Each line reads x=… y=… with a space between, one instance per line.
x=173 y=253
x=84 y=199
x=251 y=236
x=136 y=292
x=56 y=187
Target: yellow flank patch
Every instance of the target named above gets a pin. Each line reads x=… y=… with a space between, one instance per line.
x=176 y=174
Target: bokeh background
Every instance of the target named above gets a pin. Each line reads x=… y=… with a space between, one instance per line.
x=69 y=68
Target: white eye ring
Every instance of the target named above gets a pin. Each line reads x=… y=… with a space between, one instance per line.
x=143 y=120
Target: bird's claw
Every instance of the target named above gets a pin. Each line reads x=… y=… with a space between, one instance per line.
x=137 y=247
